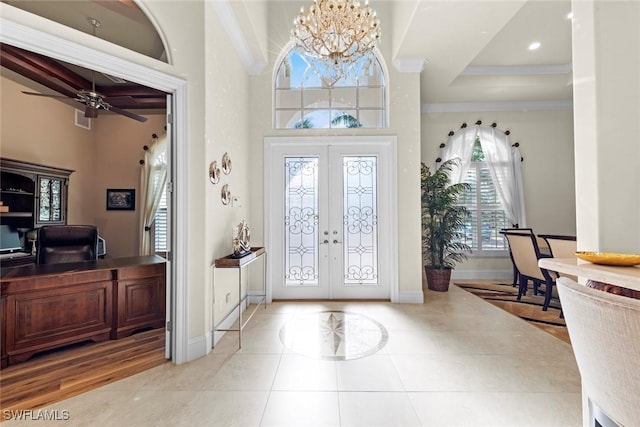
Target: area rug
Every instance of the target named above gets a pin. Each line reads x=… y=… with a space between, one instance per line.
x=529 y=307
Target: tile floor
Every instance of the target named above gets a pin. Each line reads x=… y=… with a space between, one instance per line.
x=454 y=361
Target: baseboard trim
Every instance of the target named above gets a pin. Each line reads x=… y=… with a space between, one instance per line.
x=410 y=297
x=197 y=347
x=228 y=321
x=256 y=297
x=482 y=274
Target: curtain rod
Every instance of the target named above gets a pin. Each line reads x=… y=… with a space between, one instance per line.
x=478 y=122
x=146 y=147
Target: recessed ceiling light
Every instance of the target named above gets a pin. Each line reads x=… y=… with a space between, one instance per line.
x=534 y=45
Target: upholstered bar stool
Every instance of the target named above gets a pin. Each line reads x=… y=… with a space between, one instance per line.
x=605 y=334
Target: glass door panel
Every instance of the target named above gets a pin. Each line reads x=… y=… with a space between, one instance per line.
x=301 y=221
x=328 y=220
x=360 y=220
x=360 y=259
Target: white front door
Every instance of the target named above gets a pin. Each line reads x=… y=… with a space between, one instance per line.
x=329 y=219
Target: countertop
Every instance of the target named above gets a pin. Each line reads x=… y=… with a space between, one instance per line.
x=628 y=277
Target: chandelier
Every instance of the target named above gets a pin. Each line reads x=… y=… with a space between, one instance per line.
x=337 y=32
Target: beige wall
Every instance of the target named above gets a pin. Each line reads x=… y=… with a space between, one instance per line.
x=43 y=130
x=117 y=151
x=546 y=143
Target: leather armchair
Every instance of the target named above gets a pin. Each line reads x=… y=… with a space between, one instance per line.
x=66 y=243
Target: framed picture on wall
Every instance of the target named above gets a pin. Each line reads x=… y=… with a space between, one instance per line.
x=121 y=199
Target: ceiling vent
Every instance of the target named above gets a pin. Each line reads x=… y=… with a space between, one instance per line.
x=82 y=121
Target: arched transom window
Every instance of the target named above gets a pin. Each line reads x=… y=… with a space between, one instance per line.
x=306 y=96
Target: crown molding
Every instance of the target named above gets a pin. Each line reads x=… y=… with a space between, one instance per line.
x=467 y=107
x=409 y=65
x=229 y=21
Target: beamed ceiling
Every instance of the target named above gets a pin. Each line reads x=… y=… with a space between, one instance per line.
x=68 y=80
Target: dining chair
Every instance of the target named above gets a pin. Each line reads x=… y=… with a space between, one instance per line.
x=604 y=330
x=525 y=253
x=515 y=269
x=561 y=246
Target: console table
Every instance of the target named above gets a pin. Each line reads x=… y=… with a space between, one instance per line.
x=239 y=263
x=52 y=305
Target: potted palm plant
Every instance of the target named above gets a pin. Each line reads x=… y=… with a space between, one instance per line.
x=442 y=224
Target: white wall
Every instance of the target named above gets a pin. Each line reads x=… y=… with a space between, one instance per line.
x=404 y=121
x=606 y=63
x=217 y=123
x=546 y=144
x=227 y=131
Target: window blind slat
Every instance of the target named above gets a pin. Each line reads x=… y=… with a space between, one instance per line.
x=487 y=217
x=160 y=225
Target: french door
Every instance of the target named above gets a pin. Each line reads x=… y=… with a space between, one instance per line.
x=329 y=218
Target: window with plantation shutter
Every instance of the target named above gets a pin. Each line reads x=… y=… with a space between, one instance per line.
x=486 y=216
x=160 y=225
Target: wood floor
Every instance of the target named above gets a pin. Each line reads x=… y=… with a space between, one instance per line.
x=60 y=374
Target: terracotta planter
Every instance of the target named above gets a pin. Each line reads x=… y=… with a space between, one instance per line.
x=438 y=280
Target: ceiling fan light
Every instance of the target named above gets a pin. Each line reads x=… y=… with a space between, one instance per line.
x=91 y=112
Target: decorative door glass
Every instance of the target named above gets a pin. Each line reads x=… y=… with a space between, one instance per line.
x=360 y=220
x=301 y=221
x=50 y=204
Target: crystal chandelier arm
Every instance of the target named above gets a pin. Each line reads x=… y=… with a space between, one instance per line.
x=338 y=33
x=336 y=29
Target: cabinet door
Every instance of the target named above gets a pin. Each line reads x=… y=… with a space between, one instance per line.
x=51 y=198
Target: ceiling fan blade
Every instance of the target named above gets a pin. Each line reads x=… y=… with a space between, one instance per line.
x=48 y=96
x=91 y=111
x=127 y=114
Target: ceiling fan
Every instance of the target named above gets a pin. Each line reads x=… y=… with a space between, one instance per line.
x=93 y=100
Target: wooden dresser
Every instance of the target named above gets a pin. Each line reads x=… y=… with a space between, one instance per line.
x=47 y=306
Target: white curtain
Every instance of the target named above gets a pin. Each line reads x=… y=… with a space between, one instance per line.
x=503 y=162
x=153 y=178
x=460 y=146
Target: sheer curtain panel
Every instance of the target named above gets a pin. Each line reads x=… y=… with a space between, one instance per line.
x=503 y=162
x=152 y=182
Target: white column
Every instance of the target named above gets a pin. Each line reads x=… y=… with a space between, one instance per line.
x=606 y=67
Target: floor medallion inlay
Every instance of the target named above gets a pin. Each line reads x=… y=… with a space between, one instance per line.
x=334 y=335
